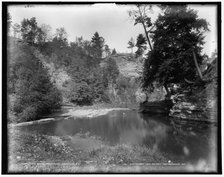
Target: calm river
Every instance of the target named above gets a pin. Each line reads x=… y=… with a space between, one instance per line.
x=180 y=141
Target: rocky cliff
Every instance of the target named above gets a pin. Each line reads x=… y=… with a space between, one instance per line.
x=201 y=103
x=127 y=90
x=124 y=91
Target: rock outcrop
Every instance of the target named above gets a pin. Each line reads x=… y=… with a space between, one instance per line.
x=201 y=104
x=141 y=96
x=126 y=89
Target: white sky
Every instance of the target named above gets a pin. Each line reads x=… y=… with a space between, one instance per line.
x=110 y=20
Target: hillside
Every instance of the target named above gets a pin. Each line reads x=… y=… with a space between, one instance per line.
x=128 y=65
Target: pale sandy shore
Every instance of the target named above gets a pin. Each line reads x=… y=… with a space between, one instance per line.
x=76 y=112
x=92 y=112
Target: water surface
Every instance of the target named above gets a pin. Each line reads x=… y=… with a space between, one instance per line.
x=179 y=141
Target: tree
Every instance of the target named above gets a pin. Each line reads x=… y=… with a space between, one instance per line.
x=61 y=34
x=35 y=93
x=114 y=52
x=61 y=37
x=81 y=94
x=140 y=44
x=140 y=16
x=46 y=29
x=81 y=47
x=40 y=39
x=59 y=47
x=97 y=45
x=107 y=50
x=178 y=41
x=111 y=70
x=29 y=30
x=16 y=30
x=213 y=55
x=131 y=44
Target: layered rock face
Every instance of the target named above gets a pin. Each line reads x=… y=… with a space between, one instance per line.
x=201 y=104
x=126 y=90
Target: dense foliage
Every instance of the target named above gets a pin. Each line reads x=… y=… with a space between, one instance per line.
x=30 y=32
x=81 y=60
x=97 y=45
x=90 y=65
x=87 y=85
x=141 y=45
x=110 y=71
x=178 y=38
x=29 y=80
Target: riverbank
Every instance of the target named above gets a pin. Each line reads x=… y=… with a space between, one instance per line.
x=32 y=152
x=70 y=146
x=80 y=153
x=90 y=112
x=71 y=111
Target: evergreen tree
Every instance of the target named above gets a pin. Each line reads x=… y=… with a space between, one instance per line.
x=140 y=44
x=114 y=52
x=29 y=30
x=97 y=45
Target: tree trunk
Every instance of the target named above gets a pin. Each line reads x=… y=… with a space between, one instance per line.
x=146 y=33
x=197 y=67
x=147 y=36
x=167 y=91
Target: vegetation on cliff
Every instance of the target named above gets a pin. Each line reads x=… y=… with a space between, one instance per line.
x=46 y=71
x=175 y=61
x=86 y=72
x=175 y=41
x=29 y=81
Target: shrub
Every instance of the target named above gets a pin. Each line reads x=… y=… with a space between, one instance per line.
x=30 y=113
x=53 y=99
x=17 y=107
x=34 y=104
x=81 y=94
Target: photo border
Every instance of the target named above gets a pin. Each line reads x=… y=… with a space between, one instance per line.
x=4 y=132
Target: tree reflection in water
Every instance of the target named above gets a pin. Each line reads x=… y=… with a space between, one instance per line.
x=180 y=141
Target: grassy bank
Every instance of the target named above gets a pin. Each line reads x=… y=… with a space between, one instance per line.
x=80 y=153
